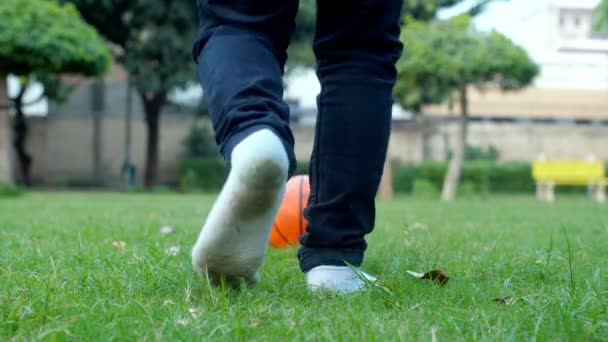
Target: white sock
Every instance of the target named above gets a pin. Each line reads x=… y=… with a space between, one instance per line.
x=337 y=278
x=234 y=238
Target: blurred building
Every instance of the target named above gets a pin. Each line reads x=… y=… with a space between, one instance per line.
x=563 y=115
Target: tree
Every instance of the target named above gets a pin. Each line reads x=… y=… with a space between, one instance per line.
x=602 y=15
x=300 y=52
x=153 y=42
x=41 y=40
x=445 y=58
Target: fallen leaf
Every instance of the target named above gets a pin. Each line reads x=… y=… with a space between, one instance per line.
x=255 y=322
x=119 y=245
x=416 y=307
x=195 y=313
x=418 y=225
x=505 y=300
x=167 y=230
x=182 y=321
x=437 y=276
x=416 y=274
x=172 y=251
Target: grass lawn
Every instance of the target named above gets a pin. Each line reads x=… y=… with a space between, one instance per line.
x=61 y=278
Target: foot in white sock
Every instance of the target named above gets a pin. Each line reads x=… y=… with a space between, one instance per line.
x=233 y=241
x=338 y=278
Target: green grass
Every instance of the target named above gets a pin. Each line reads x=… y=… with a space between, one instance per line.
x=61 y=279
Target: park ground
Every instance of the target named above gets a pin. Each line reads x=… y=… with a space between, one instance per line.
x=90 y=266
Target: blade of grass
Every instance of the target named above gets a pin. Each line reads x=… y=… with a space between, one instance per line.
x=572 y=282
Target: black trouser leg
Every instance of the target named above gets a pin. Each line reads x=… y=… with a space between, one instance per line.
x=356 y=45
x=240 y=52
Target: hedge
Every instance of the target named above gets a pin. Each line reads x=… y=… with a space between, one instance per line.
x=477 y=176
x=209 y=174
x=485 y=176
x=202 y=174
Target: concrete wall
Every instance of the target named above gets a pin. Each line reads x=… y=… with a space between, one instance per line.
x=62 y=145
x=62 y=149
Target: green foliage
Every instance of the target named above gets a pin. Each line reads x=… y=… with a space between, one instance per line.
x=467 y=189
x=44 y=37
x=202 y=174
x=483 y=177
x=189 y=181
x=200 y=142
x=403 y=177
x=441 y=55
x=10 y=191
x=601 y=13
x=154 y=38
x=300 y=51
x=208 y=174
x=426 y=10
x=473 y=153
x=302 y=168
x=479 y=153
x=202 y=110
x=423 y=188
x=511 y=177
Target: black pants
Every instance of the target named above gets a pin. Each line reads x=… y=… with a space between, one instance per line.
x=241 y=52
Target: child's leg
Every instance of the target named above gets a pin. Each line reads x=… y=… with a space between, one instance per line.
x=240 y=55
x=356 y=45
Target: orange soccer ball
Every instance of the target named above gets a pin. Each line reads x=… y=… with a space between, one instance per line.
x=290 y=223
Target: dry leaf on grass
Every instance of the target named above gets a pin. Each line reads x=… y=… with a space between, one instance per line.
x=164 y=230
x=119 y=245
x=182 y=321
x=195 y=313
x=173 y=251
x=505 y=300
x=437 y=276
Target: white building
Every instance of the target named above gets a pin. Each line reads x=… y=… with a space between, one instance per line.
x=559 y=36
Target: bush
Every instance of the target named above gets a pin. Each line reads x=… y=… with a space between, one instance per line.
x=423 y=188
x=209 y=174
x=10 y=191
x=302 y=167
x=189 y=181
x=204 y=174
x=467 y=189
x=473 y=153
x=200 y=142
x=512 y=177
x=433 y=171
x=484 y=176
x=403 y=177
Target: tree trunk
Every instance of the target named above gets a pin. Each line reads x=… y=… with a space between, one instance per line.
x=153 y=105
x=386 y=182
x=452 y=176
x=6 y=166
x=20 y=131
x=426 y=135
x=98 y=106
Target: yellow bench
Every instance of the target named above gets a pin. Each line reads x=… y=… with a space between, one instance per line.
x=548 y=174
